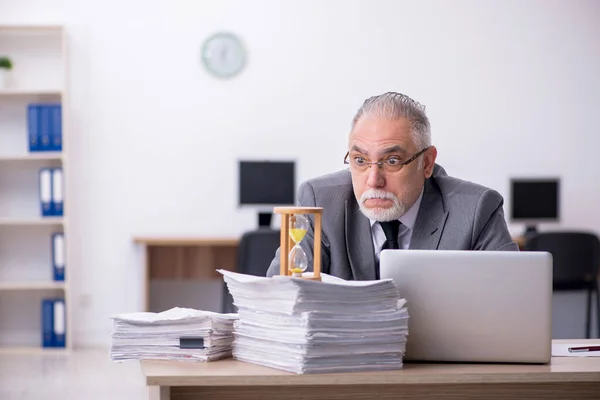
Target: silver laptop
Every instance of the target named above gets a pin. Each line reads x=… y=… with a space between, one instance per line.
x=474 y=306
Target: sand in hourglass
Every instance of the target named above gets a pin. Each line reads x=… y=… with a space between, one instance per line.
x=297 y=234
x=297 y=231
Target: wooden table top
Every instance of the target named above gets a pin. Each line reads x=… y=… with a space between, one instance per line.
x=231 y=372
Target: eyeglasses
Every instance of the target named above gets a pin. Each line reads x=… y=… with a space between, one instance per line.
x=390 y=164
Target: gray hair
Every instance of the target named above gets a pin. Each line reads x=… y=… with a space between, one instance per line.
x=394 y=105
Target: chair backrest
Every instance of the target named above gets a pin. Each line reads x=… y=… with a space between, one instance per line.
x=575 y=257
x=256 y=251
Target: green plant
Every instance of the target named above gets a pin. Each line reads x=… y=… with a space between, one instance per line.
x=5 y=62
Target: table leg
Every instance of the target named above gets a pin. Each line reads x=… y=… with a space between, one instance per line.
x=148 y=277
x=159 y=392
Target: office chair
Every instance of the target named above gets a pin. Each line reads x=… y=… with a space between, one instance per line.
x=576 y=260
x=255 y=253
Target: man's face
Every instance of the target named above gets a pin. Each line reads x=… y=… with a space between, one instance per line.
x=384 y=194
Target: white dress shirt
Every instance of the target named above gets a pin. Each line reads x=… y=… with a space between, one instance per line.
x=404 y=233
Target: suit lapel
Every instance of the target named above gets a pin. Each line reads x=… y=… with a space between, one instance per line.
x=359 y=243
x=431 y=219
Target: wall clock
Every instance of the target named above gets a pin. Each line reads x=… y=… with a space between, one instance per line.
x=223 y=55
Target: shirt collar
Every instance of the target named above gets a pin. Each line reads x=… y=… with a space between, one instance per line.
x=409 y=218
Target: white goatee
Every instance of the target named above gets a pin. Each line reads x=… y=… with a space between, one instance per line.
x=377 y=213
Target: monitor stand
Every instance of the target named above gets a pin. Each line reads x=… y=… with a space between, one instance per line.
x=264 y=220
x=530 y=231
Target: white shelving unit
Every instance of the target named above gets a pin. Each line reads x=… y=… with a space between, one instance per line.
x=39 y=75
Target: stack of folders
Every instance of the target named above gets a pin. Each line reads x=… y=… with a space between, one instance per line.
x=182 y=334
x=305 y=326
x=44 y=126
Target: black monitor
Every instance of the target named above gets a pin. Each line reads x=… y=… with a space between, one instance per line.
x=533 y=201
x=266 y=184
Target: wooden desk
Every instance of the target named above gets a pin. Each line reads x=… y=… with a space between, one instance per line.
x=564 y=378
x=186 y=258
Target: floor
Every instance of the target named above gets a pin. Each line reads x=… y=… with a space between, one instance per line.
x=83 y=374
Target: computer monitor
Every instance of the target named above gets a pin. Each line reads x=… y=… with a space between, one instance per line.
x=266 y=184
x=534 y=201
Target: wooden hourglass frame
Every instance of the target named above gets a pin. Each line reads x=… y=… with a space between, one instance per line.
x=286 y=242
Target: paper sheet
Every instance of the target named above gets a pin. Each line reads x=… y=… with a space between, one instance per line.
x=175 y=314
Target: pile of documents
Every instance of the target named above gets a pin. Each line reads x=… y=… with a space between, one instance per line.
x=305 y=326
x=181 y=334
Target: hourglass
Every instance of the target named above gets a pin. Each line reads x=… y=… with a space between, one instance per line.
x=297 y=263
x=294 y=226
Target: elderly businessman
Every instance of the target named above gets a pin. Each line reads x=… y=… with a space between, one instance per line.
x=393 y=195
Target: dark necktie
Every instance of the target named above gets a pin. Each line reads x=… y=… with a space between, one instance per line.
x=390 y=228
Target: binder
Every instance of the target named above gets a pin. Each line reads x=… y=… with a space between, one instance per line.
x=59 y=323
x=45 y=126
x=47 y=323
x=45 y=184
x=56 y=127
x=33 y=127
x=57 y=192
x=58 y=256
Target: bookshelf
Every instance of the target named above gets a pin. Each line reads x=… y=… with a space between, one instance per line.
x=39 y=75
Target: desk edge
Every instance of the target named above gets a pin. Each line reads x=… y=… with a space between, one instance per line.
x=400 y=378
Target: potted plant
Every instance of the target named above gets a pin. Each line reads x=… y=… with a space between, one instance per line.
x=5 y=66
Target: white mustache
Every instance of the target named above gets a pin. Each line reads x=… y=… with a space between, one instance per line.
x=378 y=194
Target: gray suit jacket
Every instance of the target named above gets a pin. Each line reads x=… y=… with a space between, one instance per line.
x=454 y=215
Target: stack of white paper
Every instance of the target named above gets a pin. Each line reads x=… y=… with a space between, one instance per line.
x=176 y=334
x=304 y=326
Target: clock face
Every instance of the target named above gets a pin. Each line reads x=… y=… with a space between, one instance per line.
x=223 y=55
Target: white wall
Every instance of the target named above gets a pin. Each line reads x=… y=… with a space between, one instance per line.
x=511 y=87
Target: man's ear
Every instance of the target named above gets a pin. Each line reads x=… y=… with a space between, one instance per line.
x=429 y=161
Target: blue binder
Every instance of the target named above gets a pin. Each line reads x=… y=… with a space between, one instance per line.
x=33 y=127
x=56 y=127
x=45 y=127
x=45 y=192
x=60 y=326
x=53 y=323
x=58 y=256
x=57 y=192
x=47 y=323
